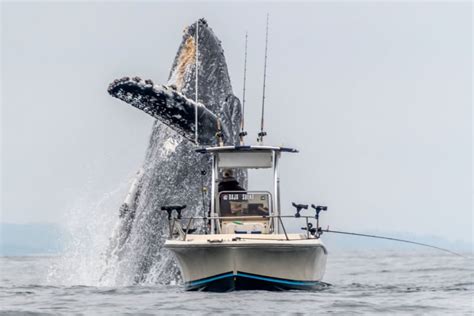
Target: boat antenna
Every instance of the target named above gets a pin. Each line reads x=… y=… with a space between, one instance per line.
x=243 y=133
x=196 y=82
x=262 y=132
x=394 y=239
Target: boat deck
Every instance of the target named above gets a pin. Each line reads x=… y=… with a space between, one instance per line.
x=237 y=240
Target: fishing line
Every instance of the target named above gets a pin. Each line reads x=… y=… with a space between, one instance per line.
x=393 y=239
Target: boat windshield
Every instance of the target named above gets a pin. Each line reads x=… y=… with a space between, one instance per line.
x=244 y=203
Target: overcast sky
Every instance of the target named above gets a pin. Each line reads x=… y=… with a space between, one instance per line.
x=377 y=97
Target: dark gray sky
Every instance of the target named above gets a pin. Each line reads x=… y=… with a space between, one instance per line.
x=377 y=96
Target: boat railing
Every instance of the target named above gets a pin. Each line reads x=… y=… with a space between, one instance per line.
x=190 y=220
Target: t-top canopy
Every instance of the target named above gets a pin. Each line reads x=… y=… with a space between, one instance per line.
x=246 y=148
x=245 y=156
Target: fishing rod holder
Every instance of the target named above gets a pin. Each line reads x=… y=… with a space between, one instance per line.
x=318 y=209
x=314 y=231
x=309 y=227
x=174 y=223
x=170 y=208
x=299 y=208
x=220 y=138
x=242 y=134
x=261 y=135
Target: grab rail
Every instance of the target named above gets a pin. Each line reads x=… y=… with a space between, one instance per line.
x=184 y=233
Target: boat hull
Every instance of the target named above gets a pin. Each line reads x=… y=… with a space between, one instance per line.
x=250 y=264
x=241 y=281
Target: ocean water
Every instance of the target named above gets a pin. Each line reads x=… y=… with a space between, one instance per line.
x=362 y=283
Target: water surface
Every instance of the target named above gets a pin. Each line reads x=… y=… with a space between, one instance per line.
x=362 y=283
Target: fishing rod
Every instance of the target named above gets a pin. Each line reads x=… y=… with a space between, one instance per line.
x=393 y=239
x=262 y=133
x=196 y=82
x=242 y=131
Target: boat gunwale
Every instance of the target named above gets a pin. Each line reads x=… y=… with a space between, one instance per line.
x=283 y=244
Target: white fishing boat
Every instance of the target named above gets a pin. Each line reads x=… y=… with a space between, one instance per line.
x=243 y=244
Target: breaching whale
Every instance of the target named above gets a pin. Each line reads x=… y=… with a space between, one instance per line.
x=172 y=172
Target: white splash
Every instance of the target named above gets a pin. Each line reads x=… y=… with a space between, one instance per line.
x=89 y=225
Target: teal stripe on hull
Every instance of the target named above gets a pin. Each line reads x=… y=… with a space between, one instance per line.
x=282 y=281
x=231 y=281
x=218 y=277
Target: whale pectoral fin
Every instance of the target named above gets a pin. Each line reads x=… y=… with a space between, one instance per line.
x=169 y=106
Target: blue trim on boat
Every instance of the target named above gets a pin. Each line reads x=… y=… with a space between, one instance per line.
x=289 y=282
x=202 y=281
x=251 y=276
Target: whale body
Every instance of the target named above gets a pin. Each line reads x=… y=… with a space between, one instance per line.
x=172 y=172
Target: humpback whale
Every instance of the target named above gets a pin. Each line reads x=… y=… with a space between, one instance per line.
x=172 y=172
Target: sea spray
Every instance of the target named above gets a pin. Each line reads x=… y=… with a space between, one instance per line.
x=89 y=225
